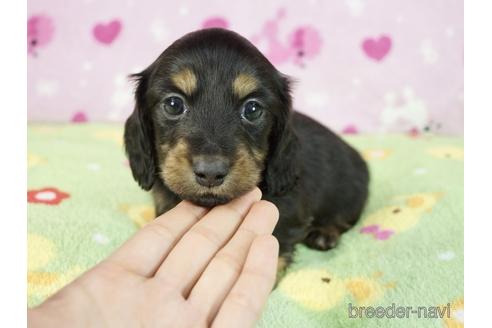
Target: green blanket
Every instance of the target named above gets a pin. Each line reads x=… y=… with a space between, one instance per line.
x=406 y=251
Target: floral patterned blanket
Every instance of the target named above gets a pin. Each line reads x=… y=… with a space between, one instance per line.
x=400 y=266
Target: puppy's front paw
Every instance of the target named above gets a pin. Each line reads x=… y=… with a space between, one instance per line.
x=322 y=238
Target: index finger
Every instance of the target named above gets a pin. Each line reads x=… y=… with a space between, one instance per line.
x=146 y=250
x=203 y=240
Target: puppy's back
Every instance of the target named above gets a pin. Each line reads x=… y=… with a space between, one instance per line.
x=334 y=175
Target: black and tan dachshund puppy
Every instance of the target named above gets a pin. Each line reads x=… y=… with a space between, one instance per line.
x=213 y=119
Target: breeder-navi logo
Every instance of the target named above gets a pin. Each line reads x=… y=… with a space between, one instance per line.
x=399 y=312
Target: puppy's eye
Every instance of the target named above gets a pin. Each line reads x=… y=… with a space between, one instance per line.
x=252 y=111
x=174 y=106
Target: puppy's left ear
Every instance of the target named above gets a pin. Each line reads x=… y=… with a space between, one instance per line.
x=139 y=137
x=282 y=165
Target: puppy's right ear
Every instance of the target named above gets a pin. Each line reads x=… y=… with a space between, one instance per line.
x=139 y=137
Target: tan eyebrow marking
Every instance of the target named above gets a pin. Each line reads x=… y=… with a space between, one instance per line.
x=185 y=80
x=244 y=84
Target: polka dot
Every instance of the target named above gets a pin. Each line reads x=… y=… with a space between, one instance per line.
x=420 y=171
x=355 y=7
x=316 y=99
x=115 y=115
x=450 y=32
x=119 y=80
x=446 y=256
x=184 y=10
x=389 y=98
x=137 y=68
x=100 y=238
x=459 y=315
x=428 y=52
x=461 y=96
x=47 y=88
x=356 y=81
x=94 y=167
x=87 y=66
x=121 y=98
x=159 y=31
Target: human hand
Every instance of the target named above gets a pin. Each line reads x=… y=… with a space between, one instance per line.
x=191 y=267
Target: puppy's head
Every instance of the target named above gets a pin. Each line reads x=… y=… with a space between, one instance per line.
x=212 y=120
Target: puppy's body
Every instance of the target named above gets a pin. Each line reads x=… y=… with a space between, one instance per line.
x=213 y=119
x=327 y=199
x=330 y=193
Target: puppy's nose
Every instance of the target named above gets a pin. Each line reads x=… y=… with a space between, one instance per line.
x=210 y=172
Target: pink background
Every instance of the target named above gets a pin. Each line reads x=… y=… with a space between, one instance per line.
x=360 y=65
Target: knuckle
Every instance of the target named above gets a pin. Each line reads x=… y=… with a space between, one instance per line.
x=243 y=301
x=161 y=230
x=231 y=211
x=207 y=234
x=194 y=210
x=247 y=233
x=230 y=261
x=259 y=275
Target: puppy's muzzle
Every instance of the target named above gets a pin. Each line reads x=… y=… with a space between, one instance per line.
x=210 y=171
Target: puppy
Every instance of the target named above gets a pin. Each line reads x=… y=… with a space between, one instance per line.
x=213 y=119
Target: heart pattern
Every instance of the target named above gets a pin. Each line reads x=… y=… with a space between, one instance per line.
x=107 y=33
x=369 y=57
x=377 y=49
x=79 y=117
x=350 y=129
